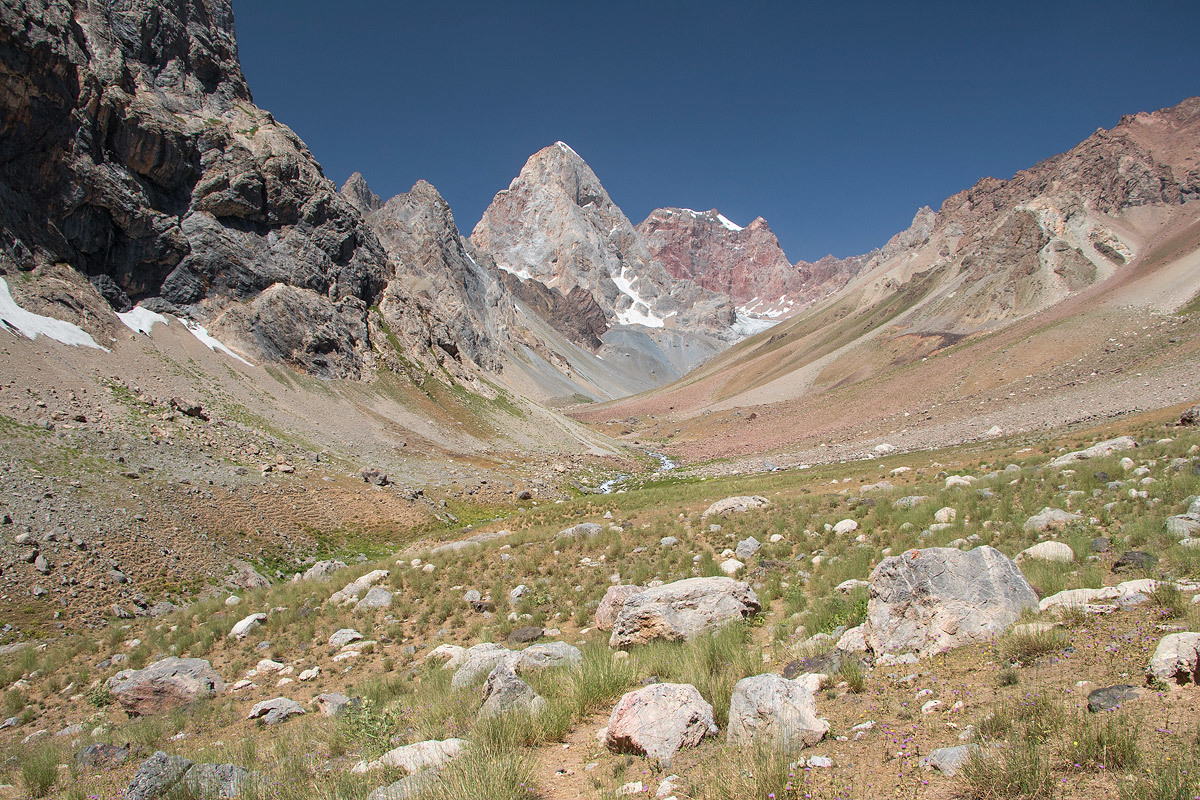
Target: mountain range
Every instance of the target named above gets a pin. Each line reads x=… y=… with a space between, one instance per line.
x=136 y=170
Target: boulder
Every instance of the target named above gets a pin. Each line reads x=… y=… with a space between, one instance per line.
x=377 y=597
x=774 y=710
x=164 y=685
x=910 y=501
x=246 y=577
x=414 y=758
x=164 y=775
x=930 y=600
x=945 y=515
x=1183 y=526
x=322 y=569
x=526 y=634
x=1051 y=518
x=611 y=605
x=275 y=710
x=102 y=756
x=406 y=788
x=1100 y=450
x=1134 y=560
x=478 y=661
x=731 y=566
x=658 y=720
x=481 y=659
x=584 y=530
x=1176 y=660
x=746 y=548
x=246 y=626
x=845 y=526
x=546 y=655
x=504 y=692
x=451 y=654
x=343 y=637
x=1111 y=697
x=735 y=505
x=357 y=588
x=157 y=775
x=1048 y=551
x=682 y=610
x=949 y=760
x=334 y=704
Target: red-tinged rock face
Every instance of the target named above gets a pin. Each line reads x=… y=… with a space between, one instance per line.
x=705 y=247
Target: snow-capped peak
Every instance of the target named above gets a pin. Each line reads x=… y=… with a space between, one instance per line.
x=724 y=220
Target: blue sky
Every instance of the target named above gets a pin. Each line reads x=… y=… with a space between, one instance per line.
x=835 y=122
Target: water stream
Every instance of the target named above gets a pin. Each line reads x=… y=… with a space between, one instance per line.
x=665 y=464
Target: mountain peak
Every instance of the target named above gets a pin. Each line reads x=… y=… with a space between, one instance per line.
x=356 y=190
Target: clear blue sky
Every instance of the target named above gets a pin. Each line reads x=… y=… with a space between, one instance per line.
x=834 y=121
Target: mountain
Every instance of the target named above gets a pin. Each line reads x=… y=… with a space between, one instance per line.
x=132 y=152
x=555 y=224
x=1056 y=296
x=706 y=247
x=746 y=263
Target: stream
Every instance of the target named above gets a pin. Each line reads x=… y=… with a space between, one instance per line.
x=665 y=464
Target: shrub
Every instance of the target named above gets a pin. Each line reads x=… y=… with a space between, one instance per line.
x=39 y=771
x=1016 y=773
x=1109 y=742
x=1027 y=647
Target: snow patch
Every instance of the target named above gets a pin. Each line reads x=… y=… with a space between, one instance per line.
x=745 y=325
x=210 y=341
x=19 y=321
x=566 y=148
x=724 y=220
x=639 y=312
x=140 y=319
x=522 y=273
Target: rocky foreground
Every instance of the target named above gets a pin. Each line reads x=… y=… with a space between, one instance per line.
x=909 y=626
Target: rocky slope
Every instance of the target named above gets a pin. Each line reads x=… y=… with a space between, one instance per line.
x=1020 y=304
x=132 y=151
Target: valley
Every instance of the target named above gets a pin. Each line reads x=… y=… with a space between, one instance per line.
x=306 y=492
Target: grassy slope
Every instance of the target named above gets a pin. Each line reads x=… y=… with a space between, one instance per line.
x=410 y=700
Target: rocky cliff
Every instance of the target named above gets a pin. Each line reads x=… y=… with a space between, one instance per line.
x=1004 y=249
x=131 y=151
x=439 y=268
x=745 y=263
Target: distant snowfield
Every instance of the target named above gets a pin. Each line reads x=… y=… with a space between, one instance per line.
x=25 y=323
x=141 y=320
x=210 y=341
x=639 y=313
x=748 y=326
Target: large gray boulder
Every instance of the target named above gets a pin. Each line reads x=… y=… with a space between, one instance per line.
x=504 y=692
x=414 y=758
x=736 y=505
x=1176 y=659
x=774 y=710
x=682 y=610
x=275 y=710
x=478 y=661
x=612 y=603
x=1100 y=450
x=164 y=685
x=658 y=720
x=1051 y=518
x=584 y=530
x=481 y=659
x=161 y=774
x=927 y=601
